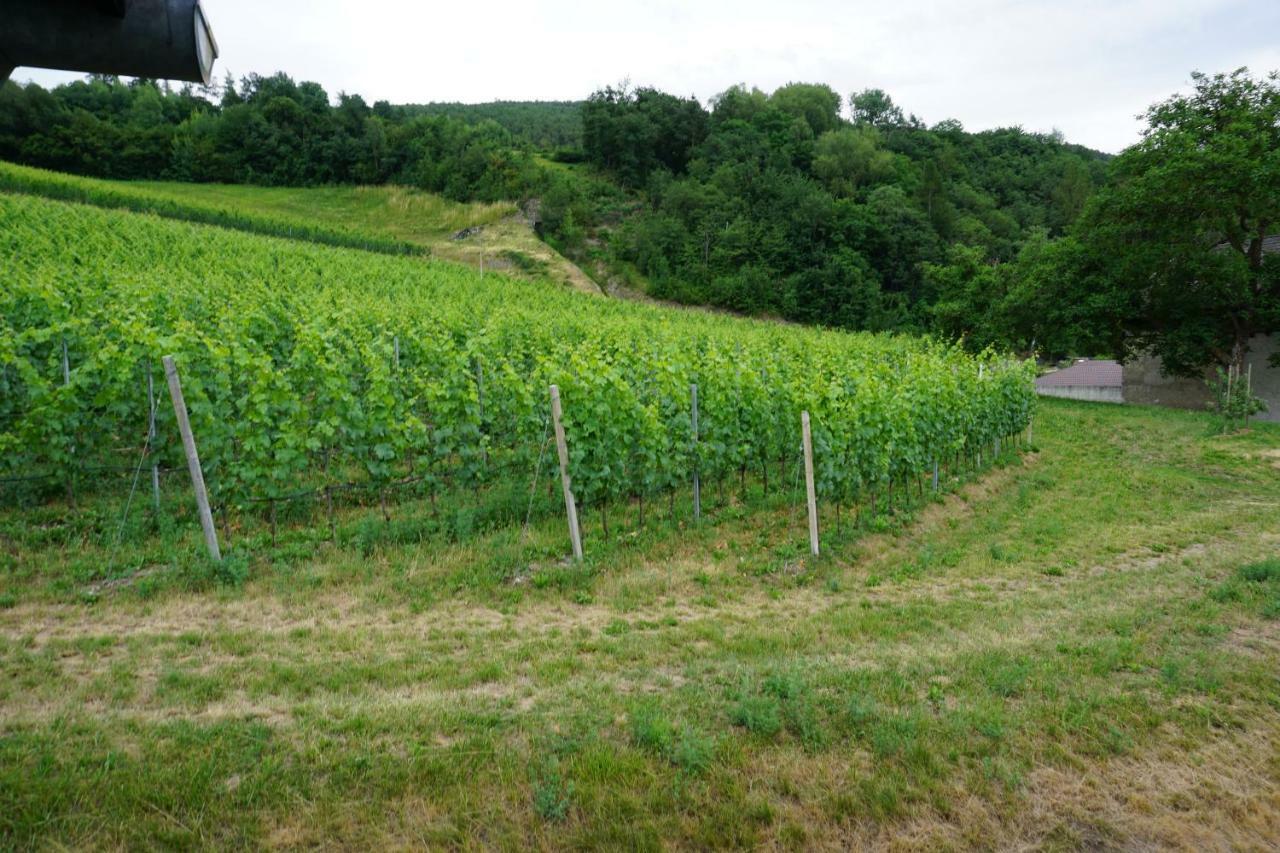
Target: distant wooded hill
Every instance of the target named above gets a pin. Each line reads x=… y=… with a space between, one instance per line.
x=546 y=125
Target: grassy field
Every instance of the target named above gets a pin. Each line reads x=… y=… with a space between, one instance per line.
x=386 y=216
x=1079 y=648
x=409 y=215
x=502 y=239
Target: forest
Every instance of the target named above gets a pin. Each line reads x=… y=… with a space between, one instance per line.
x=271 y=131
x=778 y=204
x=803 y=204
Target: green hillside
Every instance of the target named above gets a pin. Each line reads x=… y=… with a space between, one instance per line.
x=819 y=206
x=387 y=219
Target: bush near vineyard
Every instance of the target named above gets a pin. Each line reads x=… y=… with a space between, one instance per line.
x=306 y=366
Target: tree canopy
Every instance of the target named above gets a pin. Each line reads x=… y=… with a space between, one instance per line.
x=779 y=204
x=1178 y=235
x=262 y=130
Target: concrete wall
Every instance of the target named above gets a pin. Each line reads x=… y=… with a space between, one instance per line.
x=1093 y=393
x=1143 y=382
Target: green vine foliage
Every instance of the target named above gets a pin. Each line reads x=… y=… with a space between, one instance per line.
x=305 y=366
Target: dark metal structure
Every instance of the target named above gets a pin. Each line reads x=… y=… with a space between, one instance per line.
x=162 y=39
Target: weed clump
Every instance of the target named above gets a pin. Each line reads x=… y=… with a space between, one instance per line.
x=683 y=746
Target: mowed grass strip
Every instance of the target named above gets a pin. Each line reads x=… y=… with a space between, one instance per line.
x=1080 y=648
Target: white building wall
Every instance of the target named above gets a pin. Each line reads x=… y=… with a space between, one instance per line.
x=1092 y=393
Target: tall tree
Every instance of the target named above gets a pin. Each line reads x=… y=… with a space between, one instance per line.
x=1181 y=230
x=850 y=158
x=634 y=133
x=876 y=108
x=817 y=104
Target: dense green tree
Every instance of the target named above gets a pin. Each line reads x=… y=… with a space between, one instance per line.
x=1070 y=193
x=818 y=105
x=897 y=239
x=1178 y=235
x=269 y=130
x=1036 y=316
x=633 y=133
x=876 y=108
x=737 y=103
x=849 y=159
x=841 y=290
x=967 y=295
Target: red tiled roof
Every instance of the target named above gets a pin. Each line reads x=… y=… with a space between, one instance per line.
x=1095 y=372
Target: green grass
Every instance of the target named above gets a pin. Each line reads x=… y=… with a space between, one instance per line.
x=398 y=213
x=1078 y=649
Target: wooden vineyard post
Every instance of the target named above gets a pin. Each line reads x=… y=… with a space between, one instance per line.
x=562 y=449
x=478 y=370
x=66 y=380
x=697 y=483
x=935 y=475
x=151 y=439
x=808 y=484
x=1248 y=391
x=193 y=459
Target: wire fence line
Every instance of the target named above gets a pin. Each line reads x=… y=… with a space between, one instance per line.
x=502 y=463
x=791 y=492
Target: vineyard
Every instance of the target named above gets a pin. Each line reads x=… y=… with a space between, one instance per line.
x=395 y=652
x=311 y=372
x=385 y=219
x=189 y=207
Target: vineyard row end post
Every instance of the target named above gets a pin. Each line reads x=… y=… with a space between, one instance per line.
x=697 y=483
x=562 y=449
x=66 y=380
x=1248 y=391
x=151 y=438
x=479 y=374
x=808 y=483
x=193 y=458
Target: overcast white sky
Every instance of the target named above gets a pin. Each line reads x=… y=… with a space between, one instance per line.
x=1086 y=67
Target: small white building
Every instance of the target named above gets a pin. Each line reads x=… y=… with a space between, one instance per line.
x=1098 y=380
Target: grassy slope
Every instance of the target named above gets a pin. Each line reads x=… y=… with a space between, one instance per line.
x=504 y=241
x=404 y=214
x=1066 y=653
x=340 y=215
x=617 y=278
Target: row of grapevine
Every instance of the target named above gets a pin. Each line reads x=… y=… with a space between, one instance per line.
x=111 y=194
x=305 y=366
